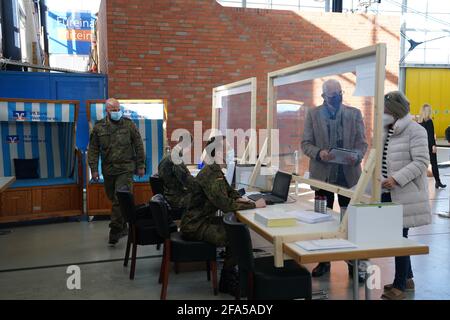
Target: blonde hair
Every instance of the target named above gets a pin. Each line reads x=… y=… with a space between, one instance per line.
x=425 y=113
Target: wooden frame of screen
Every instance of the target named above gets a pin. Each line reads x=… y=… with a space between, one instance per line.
x=373 y=165
x=215 y=111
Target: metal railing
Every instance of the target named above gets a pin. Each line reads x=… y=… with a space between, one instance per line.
x=296 y=5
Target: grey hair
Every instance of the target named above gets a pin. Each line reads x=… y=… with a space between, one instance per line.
x=327 y=83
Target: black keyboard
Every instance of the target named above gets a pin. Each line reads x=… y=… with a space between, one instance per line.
x=255 y=197
x=270 y=199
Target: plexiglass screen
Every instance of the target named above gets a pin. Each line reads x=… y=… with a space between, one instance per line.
x=234 y=112
x=234 y=108
x=325 y=121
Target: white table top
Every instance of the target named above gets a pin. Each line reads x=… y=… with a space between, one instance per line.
x=5 y=182
x=284 y=238
x=380 y=249
x=302 y=203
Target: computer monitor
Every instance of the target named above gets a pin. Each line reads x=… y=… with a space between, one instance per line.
x=281 y=185
x=231 y=168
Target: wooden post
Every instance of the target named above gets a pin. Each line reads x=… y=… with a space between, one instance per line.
x=270 y=109
x=364 y=179
x=378 y=120
x=243 y=159
x=331 y=188
x=257 y=168
x=366 y=175
x=278 y=254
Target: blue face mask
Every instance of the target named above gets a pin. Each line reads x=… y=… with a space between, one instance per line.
x=335 y=101
x=116 y=115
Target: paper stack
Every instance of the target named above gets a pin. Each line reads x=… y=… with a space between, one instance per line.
x=325 y=244
x=310 y=216
x=275 y=219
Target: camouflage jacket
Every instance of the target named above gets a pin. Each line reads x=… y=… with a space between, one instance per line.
x=118 y=144
x=177 y=181
x=213 y=193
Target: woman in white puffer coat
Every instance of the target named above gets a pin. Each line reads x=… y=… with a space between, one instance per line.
x=404 y=171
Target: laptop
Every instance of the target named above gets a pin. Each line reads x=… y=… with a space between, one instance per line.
x=280 y=190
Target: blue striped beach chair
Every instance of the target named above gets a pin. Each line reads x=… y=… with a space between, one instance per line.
x=42 y=130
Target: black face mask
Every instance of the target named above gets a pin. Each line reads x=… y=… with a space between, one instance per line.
x=335 y=101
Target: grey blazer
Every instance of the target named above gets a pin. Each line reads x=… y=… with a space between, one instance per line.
x=315 y=138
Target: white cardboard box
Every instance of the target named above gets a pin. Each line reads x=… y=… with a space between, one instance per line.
x=371 y=223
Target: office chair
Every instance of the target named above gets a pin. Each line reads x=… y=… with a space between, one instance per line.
x=141 y=227
x=178 y=250
x=264 y=280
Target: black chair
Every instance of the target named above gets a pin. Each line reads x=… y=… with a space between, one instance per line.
x=141 y=226
x=157 y=186
x=264 y=280
x=178 y=250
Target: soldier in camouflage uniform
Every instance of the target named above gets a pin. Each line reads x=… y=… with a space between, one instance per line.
x=178 y=183
x=213 y=193
x=117 y=141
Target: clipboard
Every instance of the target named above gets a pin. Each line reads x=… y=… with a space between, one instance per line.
x=341 y=156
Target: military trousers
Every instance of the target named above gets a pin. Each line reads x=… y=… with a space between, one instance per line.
x=112 y=184
x=215 y=234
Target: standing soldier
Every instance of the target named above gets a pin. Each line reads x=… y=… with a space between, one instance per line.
x=119 y=144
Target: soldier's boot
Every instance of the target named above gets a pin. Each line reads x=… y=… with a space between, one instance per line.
x=229 y=281
x=223 y=282
x=114 y=236
x=124 y=231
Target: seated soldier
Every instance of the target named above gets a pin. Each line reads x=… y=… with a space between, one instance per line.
x=177 y=181
x=213 y=193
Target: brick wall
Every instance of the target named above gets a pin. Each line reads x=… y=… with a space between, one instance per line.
x=180 y=49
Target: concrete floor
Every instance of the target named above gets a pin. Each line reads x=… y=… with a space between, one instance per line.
x=34 y=260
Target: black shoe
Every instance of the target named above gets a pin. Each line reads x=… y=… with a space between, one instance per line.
x=229 y=281
x=321 y=269
x=361 y=275
x=124 y=232
x=440 y=185
x=115 y=235
x=223 y=282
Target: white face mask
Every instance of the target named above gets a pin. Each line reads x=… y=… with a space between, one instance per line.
x=388 y=119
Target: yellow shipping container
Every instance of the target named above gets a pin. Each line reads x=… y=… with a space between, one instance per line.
x=427 y=85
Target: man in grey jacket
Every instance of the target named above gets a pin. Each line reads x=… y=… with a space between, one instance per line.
x=333 y=125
